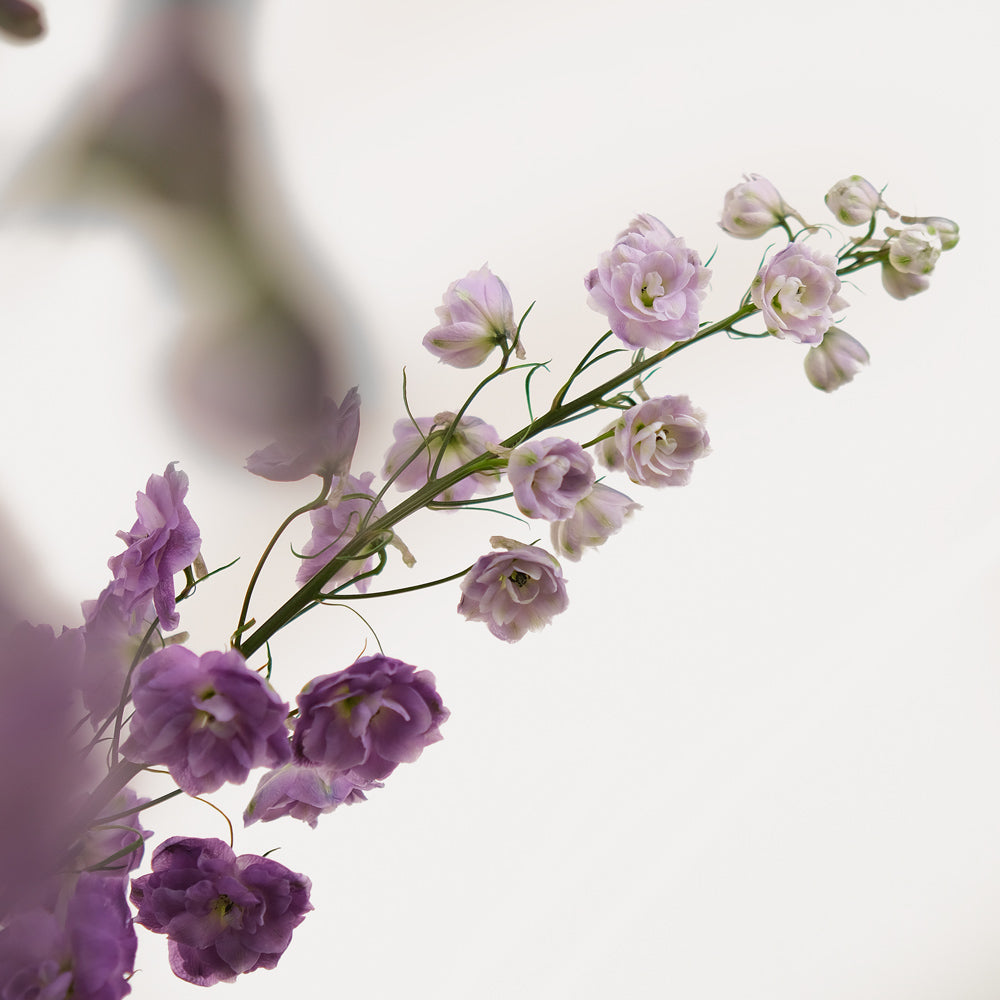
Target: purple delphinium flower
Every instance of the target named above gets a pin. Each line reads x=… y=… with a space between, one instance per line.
x=835 y=360
x=110 y=645
x=476 y=316
x=99 y=845
x=86 y=956
x=797 y=293
x=208 y=719
x=333 y=526
x=324 y=447
x=550 y=477
x=649 y=285
x=223 y=915
x=369 y=718
x=471 y=437
x=514 y=591
x=162 y=542
x=599 y=515
x=304 y=792
x=657 y=442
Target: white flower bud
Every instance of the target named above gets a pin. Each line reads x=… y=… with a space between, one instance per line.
x=900 y=285
x=853 y=200
x=752 y=208
x=835 y=361
x=914 y=250
x=944 y=229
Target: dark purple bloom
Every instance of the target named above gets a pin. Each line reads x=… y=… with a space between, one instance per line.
x=304 y=792
x=324 y=447
x=209 y=719
x=369 y=718
x=163 y=541
x=86 y=957
x=223 y=914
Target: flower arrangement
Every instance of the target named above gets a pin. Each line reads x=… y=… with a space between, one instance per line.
x=126 y=693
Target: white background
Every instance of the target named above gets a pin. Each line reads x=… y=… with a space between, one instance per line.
x=757 y=756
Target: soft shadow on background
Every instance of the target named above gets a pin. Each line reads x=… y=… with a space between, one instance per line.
x=756 y=757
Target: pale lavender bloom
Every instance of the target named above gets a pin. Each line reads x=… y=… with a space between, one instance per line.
x=853 y=200
x=162 y=542
x=657 y=442
x=550 y=477
x=914 y=250
x=797 y=293
x=86 y=955
x=835 y=361
x=304 y=792
x=324 y=447
x=333 y=526
x=209 y=719
x=470 y=439
x=649 y=285
x=476 y=315
x=514 y=591
x=598 y=516
x=752 y=207
x=369 y=718
x=901 y=285
x=223 y=915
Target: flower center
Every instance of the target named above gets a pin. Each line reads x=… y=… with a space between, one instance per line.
x=652 y=288
x=518 y=578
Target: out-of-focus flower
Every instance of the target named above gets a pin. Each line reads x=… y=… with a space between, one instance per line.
x=21 y=20
x=87 y=955
x=208 y=719
x=110 y=645
x=304 y=792
x=333 y=526
x=599 y=515
x=914 y=250
x=162 y=542
x=835 y=360
x=471 y=437
x=752 y=207
x=853 y=200
x=369 y=718
x=477 y=316
x=514 y=591
x=901 y=285
x=797 y=293
x=223 y=915
x=657 y=442
x=550 y=477
x=649 y=285
x=323 y=448
x=102 y=842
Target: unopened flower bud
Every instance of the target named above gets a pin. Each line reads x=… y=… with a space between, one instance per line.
x=835 y=361
x=914 y=250
x=752 y=208
x=900 y=285
x=946 y=230
x=853 y=200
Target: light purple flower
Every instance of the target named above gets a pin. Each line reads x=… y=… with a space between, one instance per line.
x=752 y=207
x=333 y=526
x=369 y=718
x=471 y=438
x=223 y=915
x=854 y=200
x=598 y=516
x=797 y=293
x=515 y=591
x=550 y=477
x=86 y=956
x=476 y=315
x=835 y=361
x=324 y=447
x=901 y=285
x=162 y=542
x=209 y=719
x=657 y=442
x=304 y=792
x=649 y=285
